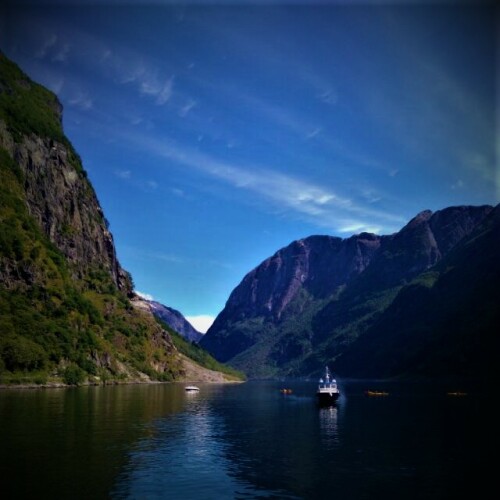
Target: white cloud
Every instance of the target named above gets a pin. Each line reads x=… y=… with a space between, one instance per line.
x=150 y=85
x=202 y=322
x=313 y=133
x=320 y=205
x=183 y=112
x=82 y=101
x=145 y=296
x=178 y=192
x=355 y=227
x=165 y=93
x=123 y=174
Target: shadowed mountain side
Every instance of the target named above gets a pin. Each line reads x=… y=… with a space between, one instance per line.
x=308 y=303
x=445 y=323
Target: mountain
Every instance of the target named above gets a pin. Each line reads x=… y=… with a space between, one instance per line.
x=445 y=322
x=65 y=308
x=173 y=318
x=315 y=300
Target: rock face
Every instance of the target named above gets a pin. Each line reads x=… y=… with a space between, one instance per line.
x=173 y=318
x=319 y=264
x=64 y=204
x=314 y=298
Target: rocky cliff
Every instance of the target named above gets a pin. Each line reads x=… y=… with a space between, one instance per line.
x=312 y=300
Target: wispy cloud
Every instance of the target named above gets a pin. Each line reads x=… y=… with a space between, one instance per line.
x=82 y=101
x=148 y=83
x=123 y=174
x=165 y=92
x=320 y=205
x=184 y=110
x=170 y=258
x=53 y=48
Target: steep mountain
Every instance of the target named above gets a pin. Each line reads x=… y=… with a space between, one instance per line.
x=65 y=312
x=445 y=322
x=308 y=303
x=174 y=319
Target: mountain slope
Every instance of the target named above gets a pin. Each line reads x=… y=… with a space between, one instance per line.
x=65 y=311
x=445 y=323
x=175 y=320
x=308 y=303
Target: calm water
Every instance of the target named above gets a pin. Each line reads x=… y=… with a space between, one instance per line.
x=240 y=441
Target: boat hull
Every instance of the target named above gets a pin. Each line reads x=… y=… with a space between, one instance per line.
x=327 y=398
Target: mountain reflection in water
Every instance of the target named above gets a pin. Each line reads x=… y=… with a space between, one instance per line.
x=239 y=441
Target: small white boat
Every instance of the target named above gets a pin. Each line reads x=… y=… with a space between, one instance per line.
x=191 y=388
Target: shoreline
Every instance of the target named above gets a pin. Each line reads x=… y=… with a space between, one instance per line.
x=62 y=385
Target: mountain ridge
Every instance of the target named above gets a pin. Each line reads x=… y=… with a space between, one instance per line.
x=172 y=317
x=350 y=289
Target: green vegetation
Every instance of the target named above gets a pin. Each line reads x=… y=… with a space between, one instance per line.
x=61 y=320
x=73 y=375
x=29 y=108
x=200 y=356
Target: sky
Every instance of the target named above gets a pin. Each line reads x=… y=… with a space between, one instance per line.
x=215 y=134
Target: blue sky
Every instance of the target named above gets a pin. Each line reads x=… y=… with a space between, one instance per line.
x=216 y=134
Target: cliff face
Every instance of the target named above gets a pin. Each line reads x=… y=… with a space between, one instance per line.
x=63 y=203
x=318 y=264
x=310 y=301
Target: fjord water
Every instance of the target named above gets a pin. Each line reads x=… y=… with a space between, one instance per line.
x=239 y=441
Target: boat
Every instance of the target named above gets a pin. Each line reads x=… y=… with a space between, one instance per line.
x=376 y=393
x=191 y=388
x=286 y=391
x=327 y=392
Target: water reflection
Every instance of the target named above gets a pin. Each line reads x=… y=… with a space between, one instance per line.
x=237 y=441
x=188 y=458
x=73 y=442
x=329 y=426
